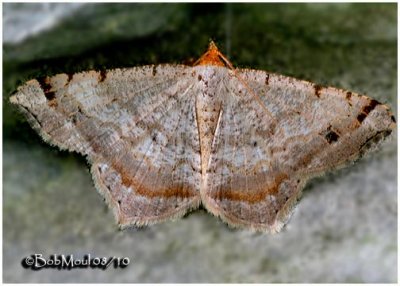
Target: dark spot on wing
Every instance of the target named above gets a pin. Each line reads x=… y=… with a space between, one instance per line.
x=317 y=90
x=50 y=95
x=349 y=94
x=70 y=76
x=361 y=117
x=267 y=80
x=154 y=70
x=393 y=119
x=199 y=77
x=46 y=87
x=331 y=137
x=103 y=75
x=44 y=83
x=368 y=108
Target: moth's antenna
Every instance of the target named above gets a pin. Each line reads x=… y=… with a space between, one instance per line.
x=228 y=29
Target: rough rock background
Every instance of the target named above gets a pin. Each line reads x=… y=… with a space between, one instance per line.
x=345 y=227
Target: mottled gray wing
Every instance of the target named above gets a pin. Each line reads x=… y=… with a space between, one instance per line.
x=275 y=133
x=137 y=128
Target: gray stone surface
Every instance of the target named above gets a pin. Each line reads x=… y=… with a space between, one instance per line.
x=26 y=20
x=345 y=227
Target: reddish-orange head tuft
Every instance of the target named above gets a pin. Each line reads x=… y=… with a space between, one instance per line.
x=213 y=57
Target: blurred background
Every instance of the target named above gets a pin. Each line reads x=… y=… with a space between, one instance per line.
x=345 y=227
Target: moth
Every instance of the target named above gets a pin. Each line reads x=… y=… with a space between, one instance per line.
x=164 y=139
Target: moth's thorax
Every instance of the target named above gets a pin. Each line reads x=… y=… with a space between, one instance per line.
x=208 y=106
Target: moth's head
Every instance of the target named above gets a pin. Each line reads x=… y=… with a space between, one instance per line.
x=212 y=57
